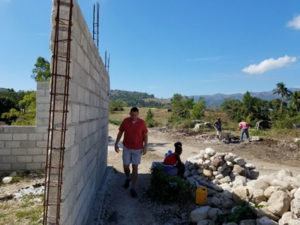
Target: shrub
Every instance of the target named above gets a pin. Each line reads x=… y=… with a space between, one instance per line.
x=240 y=212
x=169 y=189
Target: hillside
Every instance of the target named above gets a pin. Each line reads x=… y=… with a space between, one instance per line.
x=218 y=99
x=140 y=99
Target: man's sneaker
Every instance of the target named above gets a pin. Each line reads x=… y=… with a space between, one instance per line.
x=133 y=193
x=126 y=184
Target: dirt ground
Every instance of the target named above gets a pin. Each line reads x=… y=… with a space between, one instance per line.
x=120 y=209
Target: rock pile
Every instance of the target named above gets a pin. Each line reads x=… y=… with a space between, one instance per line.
x=275 y=199
x=209 y=167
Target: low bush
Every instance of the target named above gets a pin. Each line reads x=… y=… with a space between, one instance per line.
x=169 y=189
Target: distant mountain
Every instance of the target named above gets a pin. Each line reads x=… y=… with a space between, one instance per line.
x=3 y=89
x=218 y=99
x=140 y=99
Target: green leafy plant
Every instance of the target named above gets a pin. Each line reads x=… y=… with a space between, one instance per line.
x=149 y=119
x=169 y=189
x=240 y=212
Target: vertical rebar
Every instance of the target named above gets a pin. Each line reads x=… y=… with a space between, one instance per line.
x=60 y=60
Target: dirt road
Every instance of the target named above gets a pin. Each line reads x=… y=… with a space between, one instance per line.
x=121 y=209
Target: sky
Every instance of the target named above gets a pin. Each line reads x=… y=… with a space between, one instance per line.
x=162 y=47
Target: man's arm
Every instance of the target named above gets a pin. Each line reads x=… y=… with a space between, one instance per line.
x=145 y=143
x=117 y=141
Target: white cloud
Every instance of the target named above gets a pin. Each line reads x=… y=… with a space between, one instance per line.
x=295 y=23
x=269 y=64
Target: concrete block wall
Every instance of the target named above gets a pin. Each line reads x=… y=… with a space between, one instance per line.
x=24 y=147
x=85 y=158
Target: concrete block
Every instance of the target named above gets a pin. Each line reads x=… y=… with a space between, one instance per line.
x=34 y=166
x=20 y=137
x=42 y=121
x=5 y=137
x=18 y=151
x=12 y=144
x=2 y=143
x=39 y=158
x=27 y=144
x=7 y=159
x=18 y=166
x=5 y=166
x=24 y=159
x=5 y=151
x=36 y=151
x=36 y=137
x=41 y=144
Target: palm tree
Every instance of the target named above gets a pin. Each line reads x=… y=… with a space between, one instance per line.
x=283 y=91
x=295 y=100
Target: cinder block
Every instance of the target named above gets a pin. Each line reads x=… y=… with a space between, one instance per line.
x=5 y=151
x=7 y=159
x=20 y=137
x=27 y=144
x=18 y=151
x=18 y=166
x=36 y=151
x=5 y=166
x=41 y=144
x=12 y=144
x=34 y=166
x=24 y=159
x=39 y=158
x=36 y=137
x=5 y=137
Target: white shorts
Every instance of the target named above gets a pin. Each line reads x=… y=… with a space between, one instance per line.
x=131 y=156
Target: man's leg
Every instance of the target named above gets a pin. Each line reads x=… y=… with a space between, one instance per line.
x=242 y=135
x=134 y=175
x=126 y=163
x=247 y=135
x=136 y=160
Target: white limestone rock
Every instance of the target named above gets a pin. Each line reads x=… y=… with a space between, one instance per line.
x=279 y=203
x=213 y=213
x=250 y=166
x=200 y=213
x=240 y=161
x=286 y=217
x=240 y=193
x=265 y=221
x=284 y=173
x=239 y=181
x=271 y=189
x=248 y=222
x=210 y=151
x=7 y=180
x=258 y=196
x=295 y=207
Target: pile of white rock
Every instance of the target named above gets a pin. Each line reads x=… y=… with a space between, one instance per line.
x=218 y=169
x=231 y=181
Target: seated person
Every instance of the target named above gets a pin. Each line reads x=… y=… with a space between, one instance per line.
x=174 y=159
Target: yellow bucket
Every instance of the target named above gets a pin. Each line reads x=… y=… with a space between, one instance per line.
x=201 y=195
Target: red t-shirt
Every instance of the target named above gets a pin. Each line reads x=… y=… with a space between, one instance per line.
x=133 y=133
x=171 y=159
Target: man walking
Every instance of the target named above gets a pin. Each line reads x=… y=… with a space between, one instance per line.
x=244 y=127
x=134 y=145
x=218 y=126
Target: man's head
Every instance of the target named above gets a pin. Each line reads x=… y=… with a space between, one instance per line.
x=178 y=147
x=134 y=113
x=239 y=120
